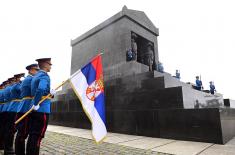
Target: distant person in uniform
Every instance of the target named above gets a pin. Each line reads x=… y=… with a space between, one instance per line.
x=160 y=67
x=129 y=55
x=198 y=83
x=212 y=88
x=177 y=74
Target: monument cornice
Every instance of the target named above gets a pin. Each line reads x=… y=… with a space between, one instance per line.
x=125 y=13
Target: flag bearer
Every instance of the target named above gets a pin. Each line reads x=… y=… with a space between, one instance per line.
x=40 y=87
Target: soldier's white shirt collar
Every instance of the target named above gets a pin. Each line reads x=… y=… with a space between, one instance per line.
x=43 y=71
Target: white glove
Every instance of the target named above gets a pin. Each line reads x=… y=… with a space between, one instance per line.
x=53 y=92
x=36 y=107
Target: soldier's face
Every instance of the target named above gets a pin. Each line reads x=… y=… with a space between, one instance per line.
x=33 y=71
x=48 y=66
x=18 y=79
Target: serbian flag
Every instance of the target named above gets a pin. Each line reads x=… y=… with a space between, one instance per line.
x=89 y=87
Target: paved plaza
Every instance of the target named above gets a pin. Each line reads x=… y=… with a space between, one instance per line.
x=71 y=141
x=65 y=140
x=61 y=144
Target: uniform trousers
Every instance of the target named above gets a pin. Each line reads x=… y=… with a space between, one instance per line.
x=2 y=122
x=22 y=133
x=38 y=122
x=9 y=132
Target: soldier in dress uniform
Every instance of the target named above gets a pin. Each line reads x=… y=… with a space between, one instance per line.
x=12 y=110
x=40 y=87
x=3 y=113
x=8 y=116
x=212 y=88
x=177 y=74
x=160 y=67
x=198 y=83
x=2 y=86
x=25 y=105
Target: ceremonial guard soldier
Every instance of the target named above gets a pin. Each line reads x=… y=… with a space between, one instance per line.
x=198 y=83
x=8 y=116
x=40 y=88
x=23 y=126
x=2 y=86
x=212 y=88
x=3 y=113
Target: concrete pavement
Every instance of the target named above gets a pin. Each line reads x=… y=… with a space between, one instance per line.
x=61 y=140
x=130 y=144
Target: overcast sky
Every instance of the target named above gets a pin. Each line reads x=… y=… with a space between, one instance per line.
x=196 y=37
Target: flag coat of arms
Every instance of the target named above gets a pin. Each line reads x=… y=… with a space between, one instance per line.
x=89 y=87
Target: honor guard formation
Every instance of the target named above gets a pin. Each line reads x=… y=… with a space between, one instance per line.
x=18 y=97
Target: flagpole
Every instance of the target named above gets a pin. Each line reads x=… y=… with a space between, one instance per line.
x=30 y=110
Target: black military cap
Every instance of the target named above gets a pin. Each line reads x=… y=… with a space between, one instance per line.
x=11 y=79
x=43 y=60
x=2 y=85
x=5 y=82
x=19 y=75
x=32 y=66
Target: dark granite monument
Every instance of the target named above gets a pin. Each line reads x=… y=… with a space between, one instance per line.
x=139 y=101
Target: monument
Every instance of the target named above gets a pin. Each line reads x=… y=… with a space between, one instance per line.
x=139 y=99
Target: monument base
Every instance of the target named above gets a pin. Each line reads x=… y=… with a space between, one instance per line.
x=210 y=125
x=155 y=105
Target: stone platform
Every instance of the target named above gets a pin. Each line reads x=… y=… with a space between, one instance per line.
x=155 y=105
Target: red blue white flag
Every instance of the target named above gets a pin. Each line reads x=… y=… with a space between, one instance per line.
x=89 y=87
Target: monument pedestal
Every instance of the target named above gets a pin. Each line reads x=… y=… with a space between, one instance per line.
x=144 y=104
